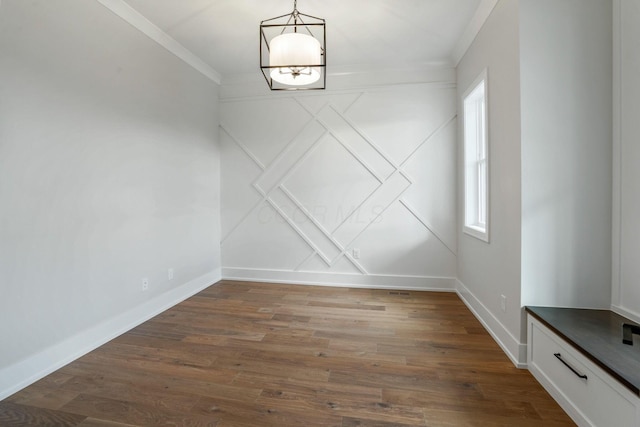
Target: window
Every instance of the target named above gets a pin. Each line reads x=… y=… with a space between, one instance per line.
x=476 y=159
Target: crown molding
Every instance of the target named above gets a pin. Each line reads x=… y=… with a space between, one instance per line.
x=148 y=28
x=343 y=78
x=469 y=35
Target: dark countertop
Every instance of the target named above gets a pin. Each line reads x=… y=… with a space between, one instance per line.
x=597 y=334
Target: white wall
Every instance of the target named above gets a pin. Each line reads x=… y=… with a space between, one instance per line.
x=488 y=270
x=109 y=172
x=308 y=178
x=626 y=206
x=566 y=51
x=549 y=67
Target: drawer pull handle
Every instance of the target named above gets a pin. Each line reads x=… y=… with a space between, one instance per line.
x=578 y=374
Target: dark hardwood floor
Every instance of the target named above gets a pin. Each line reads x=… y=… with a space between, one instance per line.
x=251 y=354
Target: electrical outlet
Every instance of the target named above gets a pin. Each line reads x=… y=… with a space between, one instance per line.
x=503 y=303
x=170 y=274
x=145 y=284
x=356 y=253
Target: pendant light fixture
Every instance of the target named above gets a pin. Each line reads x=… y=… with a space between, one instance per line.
x=292 y=51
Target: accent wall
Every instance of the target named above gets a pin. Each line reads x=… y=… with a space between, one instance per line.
x=344 y=187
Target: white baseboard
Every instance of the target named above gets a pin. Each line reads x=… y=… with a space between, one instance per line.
x=515 y=350
x=21 y=374
x=371 y=281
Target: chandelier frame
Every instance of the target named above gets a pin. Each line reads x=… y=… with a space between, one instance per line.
x=293 y=22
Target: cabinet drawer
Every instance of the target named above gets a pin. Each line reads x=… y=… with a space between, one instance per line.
x=591 y=396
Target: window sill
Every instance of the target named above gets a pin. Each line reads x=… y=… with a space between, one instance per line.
x=477 y=232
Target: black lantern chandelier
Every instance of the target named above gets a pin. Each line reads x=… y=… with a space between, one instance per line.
x=292 y=51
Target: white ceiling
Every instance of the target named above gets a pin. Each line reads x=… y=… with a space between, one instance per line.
x=384 y=34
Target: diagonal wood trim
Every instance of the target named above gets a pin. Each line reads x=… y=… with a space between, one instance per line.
x=427 y=225
x=327 y=119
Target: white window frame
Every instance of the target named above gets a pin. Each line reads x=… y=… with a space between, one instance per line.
x=475 y=105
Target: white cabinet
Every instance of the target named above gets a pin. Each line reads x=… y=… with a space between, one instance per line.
x=586 y=392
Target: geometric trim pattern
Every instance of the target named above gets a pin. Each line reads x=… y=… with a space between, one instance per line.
x=329 y=120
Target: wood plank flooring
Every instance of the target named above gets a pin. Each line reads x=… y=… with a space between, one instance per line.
x=252 y=354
